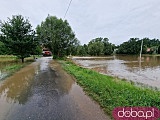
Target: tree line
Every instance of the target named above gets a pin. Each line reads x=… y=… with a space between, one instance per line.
x=96 y=47
x=17 y=37
x=102 y=46
x=133 y=46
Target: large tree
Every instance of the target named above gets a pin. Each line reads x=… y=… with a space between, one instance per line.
x=95 y=47
x=3 y=49
x=57 y=35
x=100 y=46
x=17 y=35
x=81 y=50
x=159 y=50
x=108 y=47
x=130 y=47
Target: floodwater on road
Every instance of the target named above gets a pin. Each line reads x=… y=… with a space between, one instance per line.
x=145 y=72
x=43 y=91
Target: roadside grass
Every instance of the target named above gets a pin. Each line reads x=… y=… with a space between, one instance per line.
x=112 y=92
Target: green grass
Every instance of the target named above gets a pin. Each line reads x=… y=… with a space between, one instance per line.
x=112 y=92
x=13 y=67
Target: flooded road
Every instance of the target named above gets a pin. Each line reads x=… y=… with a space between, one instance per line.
x=43 y=91
x=146 y=71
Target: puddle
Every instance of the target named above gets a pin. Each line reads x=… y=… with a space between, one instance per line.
x=2 y=75
x=14 y=91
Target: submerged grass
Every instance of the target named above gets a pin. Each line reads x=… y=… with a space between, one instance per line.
x=9 y=64
x=13 y=67
x=10 y=70
x=112 y=92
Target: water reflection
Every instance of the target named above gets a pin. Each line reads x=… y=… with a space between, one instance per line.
x=2 y=75
x=63 y=81
x=146 y=70
x=41 y=84
x=15 y=88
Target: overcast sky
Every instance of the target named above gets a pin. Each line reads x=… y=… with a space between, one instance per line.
x=117 y=20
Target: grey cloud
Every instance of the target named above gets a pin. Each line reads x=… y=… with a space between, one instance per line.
x=116 y=19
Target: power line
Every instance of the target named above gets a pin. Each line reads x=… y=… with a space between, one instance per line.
x=67 y=9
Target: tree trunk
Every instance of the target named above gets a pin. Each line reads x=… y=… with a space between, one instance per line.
x=58 y=53
x=22 y=60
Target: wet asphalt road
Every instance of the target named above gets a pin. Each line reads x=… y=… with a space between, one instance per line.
x=43 y=91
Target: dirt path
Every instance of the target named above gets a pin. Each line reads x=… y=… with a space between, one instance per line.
x=43 y=91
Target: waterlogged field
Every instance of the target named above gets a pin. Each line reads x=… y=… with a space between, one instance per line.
x=145 y=72
x=9 y=64
x=111 y=92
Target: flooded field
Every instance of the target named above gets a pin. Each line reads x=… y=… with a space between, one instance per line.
x=6 y=60
x=9 y=63
x=146 y=71
x=4 y=73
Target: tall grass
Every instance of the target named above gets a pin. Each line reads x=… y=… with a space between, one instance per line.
x=7 y=58
x=12 y=58
x=112 y=92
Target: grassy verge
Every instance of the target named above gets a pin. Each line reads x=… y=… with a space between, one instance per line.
x=111 y=92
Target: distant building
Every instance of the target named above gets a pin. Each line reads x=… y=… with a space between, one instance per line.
x=148 y=49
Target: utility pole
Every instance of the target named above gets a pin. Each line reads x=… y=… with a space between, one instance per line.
x=140 y=57
x=141 y=49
